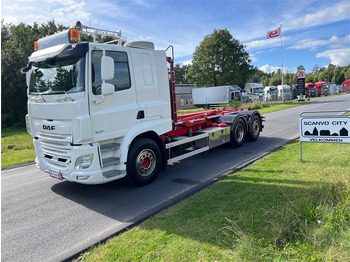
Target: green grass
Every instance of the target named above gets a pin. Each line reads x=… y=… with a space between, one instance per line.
x=278 y=209
x=16 y=147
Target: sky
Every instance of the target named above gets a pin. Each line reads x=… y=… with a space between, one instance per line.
x=314 y=32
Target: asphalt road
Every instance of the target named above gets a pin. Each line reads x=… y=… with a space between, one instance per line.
x=43 y=219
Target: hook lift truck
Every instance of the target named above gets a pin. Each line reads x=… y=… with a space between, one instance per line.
x=98 y=112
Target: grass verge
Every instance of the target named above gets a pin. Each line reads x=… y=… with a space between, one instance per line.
x=278 y=209
x=16 y=147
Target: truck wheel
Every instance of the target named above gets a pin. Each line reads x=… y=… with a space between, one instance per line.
x=238 y=133
x=144 y=162
x=254 y=128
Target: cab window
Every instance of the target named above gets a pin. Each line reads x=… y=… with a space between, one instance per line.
x=121 y=80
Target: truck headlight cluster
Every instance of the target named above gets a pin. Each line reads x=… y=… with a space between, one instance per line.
x=84 y=161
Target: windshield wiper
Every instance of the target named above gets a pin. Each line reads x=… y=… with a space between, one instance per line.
x=70 y=98
x=39 y=94
x=63 y=92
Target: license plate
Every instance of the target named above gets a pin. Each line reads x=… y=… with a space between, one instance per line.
x=56 y=175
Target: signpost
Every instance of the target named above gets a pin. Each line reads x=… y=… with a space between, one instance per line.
x=301 y=86
x=321 y=127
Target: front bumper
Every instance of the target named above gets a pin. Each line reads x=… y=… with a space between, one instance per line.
x=63 y=166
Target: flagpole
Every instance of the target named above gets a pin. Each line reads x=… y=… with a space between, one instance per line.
x=282 y=66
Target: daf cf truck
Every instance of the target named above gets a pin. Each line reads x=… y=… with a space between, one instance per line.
x=98 y=112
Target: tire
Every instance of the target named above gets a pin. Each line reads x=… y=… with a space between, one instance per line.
x=144 y=162
x=254 y=128
x=238 y=133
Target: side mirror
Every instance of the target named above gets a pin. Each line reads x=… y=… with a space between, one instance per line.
x=107 y=68
x=107 y=89
x=28 y=73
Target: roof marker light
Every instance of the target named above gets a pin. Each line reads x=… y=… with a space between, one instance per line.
x=74 y=35
x=35 y=45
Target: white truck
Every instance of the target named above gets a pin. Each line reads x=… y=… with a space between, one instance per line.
x=216 y=95
x=285 y=93
x=271 y=93
x=255 y=92
x=98 y=112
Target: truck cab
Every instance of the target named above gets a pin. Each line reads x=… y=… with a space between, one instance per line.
x=284 y=92
x=325 y=89
x=345 y=87
x=318 y=86
x=271 y=93
x=310 y=90
x=255 y=92
x=86 y=104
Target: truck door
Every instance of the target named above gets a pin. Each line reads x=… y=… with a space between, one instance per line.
x=112 y=115
x=148 y=82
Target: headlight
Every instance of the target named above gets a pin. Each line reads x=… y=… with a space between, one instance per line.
x=84 y=161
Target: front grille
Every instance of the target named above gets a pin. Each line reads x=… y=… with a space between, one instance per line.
x=56 y=150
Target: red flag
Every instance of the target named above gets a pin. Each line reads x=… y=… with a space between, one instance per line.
x=273 y=33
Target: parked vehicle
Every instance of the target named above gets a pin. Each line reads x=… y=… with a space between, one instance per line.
x=98 y=112
x=255 y=92
x=294 y=91
x=271 y=93
x=245 y=96
x=325 y=89
x=284 y=93
x=345 y=87
x=332 y=89
x=310 y=90
x=318 y=86
x=216 y=95
x=338 y=89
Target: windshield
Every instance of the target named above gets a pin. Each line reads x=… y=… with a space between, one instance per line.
x=312 y=87
x=258 y=90
x=57 y=76
x=273 y=90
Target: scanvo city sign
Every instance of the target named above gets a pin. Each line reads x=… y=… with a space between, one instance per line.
x=325 y=129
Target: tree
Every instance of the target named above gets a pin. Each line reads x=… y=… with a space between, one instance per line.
x=220 y=59
x=181 y=74
x=256 y=76
x=16 y=46
x=310 y=78
x=315 y=70
x=347 y=73
x=301 y=68
x=14 y=54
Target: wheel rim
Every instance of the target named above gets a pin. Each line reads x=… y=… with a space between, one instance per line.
x=255 y=128
x=240 y=133
x=146 y=162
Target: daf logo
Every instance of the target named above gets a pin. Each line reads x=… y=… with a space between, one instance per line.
x=48 y=127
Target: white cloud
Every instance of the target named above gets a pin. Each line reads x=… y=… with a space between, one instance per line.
x=269 y=69
x=313 y=44
x=187 y=63
x=65 y=12
x=253 y=57
x=266 y=43
x=339 y=57
x=143 y=3
x=337 y=12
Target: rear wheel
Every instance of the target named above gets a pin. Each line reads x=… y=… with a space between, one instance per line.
x=254 y=128
x=144 y=162
x=238 y=133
